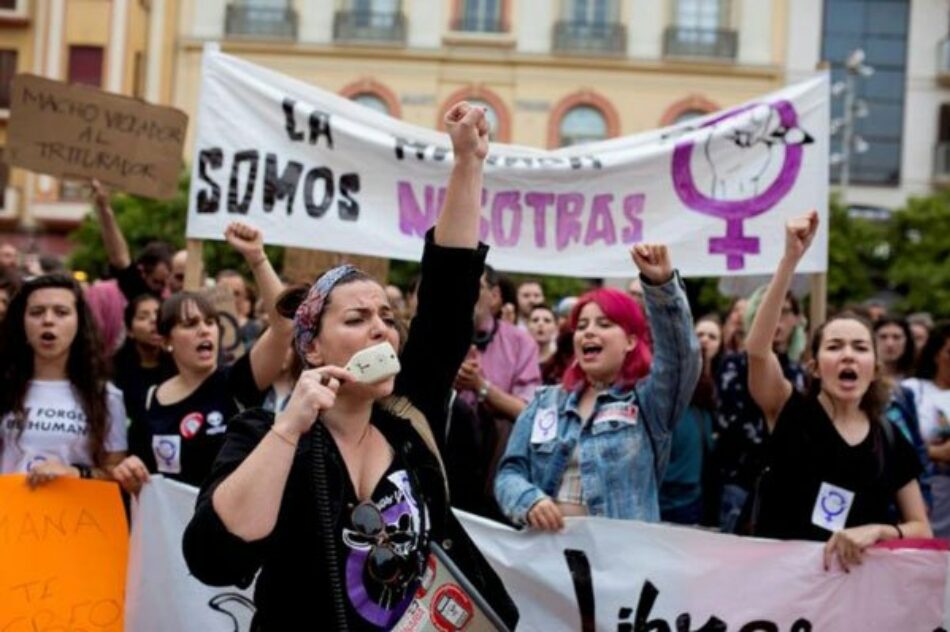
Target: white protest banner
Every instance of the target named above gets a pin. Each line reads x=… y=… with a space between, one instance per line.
x=315 y=170
x=161 y=595
x=601 y=574
x=597 y=574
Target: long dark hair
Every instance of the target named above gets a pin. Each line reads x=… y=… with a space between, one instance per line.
x=876 y=398
x=86 y=368
x=905 y=363
x=927 y=364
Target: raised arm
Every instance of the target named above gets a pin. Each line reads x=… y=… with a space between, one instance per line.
x=666 y=391
x=457 y=226
x=117 y=249
x=453 y=261
x=767 y=384
x=267 y=354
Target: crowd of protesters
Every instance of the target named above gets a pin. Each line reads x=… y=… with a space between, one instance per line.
x=523 y=408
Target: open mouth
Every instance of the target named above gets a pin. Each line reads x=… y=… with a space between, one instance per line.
x=848 y=377
x=590 y=351
x=48 y=336
x=205 y=349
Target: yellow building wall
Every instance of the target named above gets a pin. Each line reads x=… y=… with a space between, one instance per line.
x=640 y=92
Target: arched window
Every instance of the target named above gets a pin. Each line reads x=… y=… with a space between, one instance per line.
x=582 y=124
x=372 y=101
x=689 y=115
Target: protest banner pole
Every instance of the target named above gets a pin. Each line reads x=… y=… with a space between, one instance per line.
x=194 y=268
x=819 y=300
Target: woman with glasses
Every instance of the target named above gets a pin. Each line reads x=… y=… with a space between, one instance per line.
x=336 y=498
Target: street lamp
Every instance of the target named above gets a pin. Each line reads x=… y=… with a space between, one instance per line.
x=854 y=109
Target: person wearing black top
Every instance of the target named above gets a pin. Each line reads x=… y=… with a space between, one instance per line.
x=336 y=498
x=141 y=362
x=150 y=271
x=184 y=419
x=835 y=465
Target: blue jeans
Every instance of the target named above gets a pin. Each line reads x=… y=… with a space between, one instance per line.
x=733 y=500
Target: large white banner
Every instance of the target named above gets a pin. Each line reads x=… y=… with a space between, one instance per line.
x=315 y=170
x=601 y=574
x=596 y=575
x=160 y=594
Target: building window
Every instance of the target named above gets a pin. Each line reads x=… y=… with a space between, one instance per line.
x=7 y=71
x=879 y=28
x=481 y=16
x=700 y=29
x=582 y=124
x=262 y=19
x=590 y=26
x=370 y=21
x=372 y=101
x=85 y=65
x=688 y=115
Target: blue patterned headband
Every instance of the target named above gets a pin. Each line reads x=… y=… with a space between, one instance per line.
x=308 y=313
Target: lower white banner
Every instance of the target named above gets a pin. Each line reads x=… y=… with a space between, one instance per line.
x=601 y=574
x=160 y=593
x=597 y=574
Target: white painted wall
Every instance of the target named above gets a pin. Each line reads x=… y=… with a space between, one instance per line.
x=203 y=19
x=803 y=38
x=755 y=32
x=427 y=21
x=315 y=21
x=534 y=24
x=645 y=24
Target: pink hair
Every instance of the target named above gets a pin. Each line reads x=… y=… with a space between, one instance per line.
x=626 y=312
x=107 y=304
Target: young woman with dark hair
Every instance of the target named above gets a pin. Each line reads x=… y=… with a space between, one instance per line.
x=336 y=498
x=835 y=465
x=141 y=362
x=184 y=418
x=931 y=391
x=59 y=415
x=895 y=347
x=598 y=443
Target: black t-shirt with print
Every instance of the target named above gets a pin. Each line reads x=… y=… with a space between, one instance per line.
x=371 y=604
x=181 y=440
x=805 y=451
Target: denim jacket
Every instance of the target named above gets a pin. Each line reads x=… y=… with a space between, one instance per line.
x=625 y=445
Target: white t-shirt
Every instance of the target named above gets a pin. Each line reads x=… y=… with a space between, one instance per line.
x=933 y=408
x=55 y=428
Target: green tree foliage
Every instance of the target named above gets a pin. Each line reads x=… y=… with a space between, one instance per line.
x=858 y=256
x=143 y=220
x=920 y=269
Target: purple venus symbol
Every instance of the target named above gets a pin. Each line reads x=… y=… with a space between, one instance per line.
x=735 y=244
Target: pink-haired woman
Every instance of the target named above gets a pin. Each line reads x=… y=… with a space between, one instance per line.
x=598 y=443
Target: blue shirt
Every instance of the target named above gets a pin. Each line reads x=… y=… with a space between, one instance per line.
x=625 y=444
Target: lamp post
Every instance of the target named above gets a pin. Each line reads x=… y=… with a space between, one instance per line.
x=854 y=108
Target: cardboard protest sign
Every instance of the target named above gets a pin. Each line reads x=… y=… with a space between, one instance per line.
x=64 y=548
x=76 y=131
x=303 y=266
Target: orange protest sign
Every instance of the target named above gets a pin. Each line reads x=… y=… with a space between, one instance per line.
x=64 y=549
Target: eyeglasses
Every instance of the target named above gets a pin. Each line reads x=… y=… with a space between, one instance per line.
x=384 y=563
